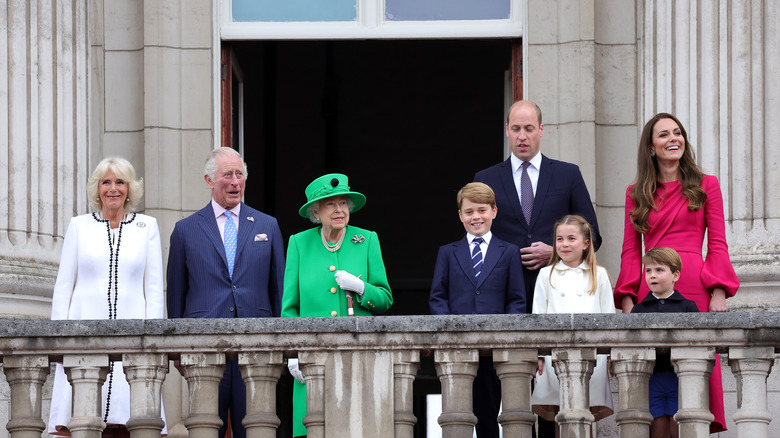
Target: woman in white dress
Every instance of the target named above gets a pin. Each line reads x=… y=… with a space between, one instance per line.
x=110 y=268
x=572 y=283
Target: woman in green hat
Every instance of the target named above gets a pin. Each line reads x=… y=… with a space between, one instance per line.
x=333 y=269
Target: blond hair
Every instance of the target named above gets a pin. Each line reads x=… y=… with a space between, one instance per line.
x=588 y=255
x=477 y=192
x=124 y=171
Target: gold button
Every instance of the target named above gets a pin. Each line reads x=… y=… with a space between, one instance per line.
x=333 y=290
x=334 y=313
x=332 y=268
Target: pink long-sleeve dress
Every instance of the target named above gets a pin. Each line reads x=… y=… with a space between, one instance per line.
x=674 y=226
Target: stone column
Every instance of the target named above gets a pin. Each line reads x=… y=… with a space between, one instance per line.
x=456 y=370
x=574 y=367
x=203 y=372
x=25 y=376
x=86 y=374
x=43 y=158
x=693 y=366
x=313 y=368
x=405 y=366
x=145 y=374
x=711 y=64
x=633 y=368
x=751 y=367
x=516 y=368
x=261 y=372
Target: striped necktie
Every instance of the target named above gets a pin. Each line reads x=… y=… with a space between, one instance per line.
x=230 y=241
x=526 y=193
x=476 y=256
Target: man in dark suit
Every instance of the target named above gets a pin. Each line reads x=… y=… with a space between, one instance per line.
x=226 y=261
x=557 y=189
x=552 y=190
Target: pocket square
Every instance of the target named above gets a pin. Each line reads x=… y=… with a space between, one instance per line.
x=261 y=237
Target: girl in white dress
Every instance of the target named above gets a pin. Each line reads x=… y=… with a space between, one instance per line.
x=572 y=283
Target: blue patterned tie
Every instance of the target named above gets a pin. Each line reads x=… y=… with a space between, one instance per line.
x=476 y=256
x=230 y=241
x=526 y=193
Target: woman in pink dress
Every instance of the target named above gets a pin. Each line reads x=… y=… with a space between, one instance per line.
x=672 y=203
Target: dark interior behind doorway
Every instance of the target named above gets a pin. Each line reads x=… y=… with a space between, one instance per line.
x=409 y=122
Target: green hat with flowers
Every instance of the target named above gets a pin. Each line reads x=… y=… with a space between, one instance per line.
x=332 y=184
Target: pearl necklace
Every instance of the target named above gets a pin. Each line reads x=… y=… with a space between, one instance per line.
x=332 y=247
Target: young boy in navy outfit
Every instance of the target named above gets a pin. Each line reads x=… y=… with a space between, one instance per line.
x=479 y=274
x=662 y=270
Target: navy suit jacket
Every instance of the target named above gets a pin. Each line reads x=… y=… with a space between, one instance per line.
x=500 y=289
x=199 y=285
x=560 y=191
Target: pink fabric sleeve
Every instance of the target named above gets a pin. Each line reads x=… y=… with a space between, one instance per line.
x=630 y=259
x=717 y=270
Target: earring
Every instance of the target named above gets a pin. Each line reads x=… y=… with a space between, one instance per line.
x=127 y=199
x=652 y=153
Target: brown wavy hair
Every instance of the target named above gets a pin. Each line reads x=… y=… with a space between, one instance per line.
x=588 y=255
x=646 y=184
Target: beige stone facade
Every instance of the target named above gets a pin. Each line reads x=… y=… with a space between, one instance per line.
x=84 y=79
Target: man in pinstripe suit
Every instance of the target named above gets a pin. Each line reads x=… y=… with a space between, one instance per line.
x=201 y=282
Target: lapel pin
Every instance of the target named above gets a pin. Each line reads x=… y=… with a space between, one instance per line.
x=250 y=218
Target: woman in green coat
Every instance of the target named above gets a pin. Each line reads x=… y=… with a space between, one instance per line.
x=333 y=269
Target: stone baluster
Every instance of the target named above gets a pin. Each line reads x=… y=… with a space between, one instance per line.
x=261 y=371
x=26 y=375
x=145 y=374
x=405 y=366
x=456 y=370
x=574 y=367
x=203 y=372
x=633 y=368
x=751 y=367
x=86 y=374
x=313 y=368
x=693 y=366
x=516 y=368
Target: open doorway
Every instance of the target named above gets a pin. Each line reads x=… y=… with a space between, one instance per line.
x=409 y=121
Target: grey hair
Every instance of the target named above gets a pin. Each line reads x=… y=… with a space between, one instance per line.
x=315 y=206
x=124 y=171
x=210 y=167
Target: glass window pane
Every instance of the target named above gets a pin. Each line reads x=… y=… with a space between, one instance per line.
x=294 y=10
x=416 y=10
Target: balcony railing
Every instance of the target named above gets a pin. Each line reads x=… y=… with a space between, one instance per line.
x=360 y=370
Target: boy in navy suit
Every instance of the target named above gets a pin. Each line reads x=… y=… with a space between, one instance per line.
x=479 y=274
x=662 y=270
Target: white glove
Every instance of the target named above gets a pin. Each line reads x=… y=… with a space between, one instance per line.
x=348 y=281
x=292 y=365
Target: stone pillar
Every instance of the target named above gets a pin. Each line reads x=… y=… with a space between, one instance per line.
x=456 y=370
x=711 y=64
x=693 y=366
x=313 y=368
x=516 y=368
x=26 y=376
x=145 y=374
x=574 y=367
x=86 y=374
x=203 y=372
x=633 y=368
x=405 y=366
x=43 y=159
x=261 y=372
x=751 y=367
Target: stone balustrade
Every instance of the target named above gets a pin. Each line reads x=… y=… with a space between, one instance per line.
x=360 y=365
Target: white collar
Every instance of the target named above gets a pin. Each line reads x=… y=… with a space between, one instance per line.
x=487 y=236
x=219 y=210
x=536 y=162
x=560 y=266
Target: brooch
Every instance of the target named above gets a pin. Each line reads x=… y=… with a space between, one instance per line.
x=140 y=224
x=358 y=238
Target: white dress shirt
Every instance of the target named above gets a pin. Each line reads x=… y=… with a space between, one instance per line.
x=533 y=171
x=483 y=246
